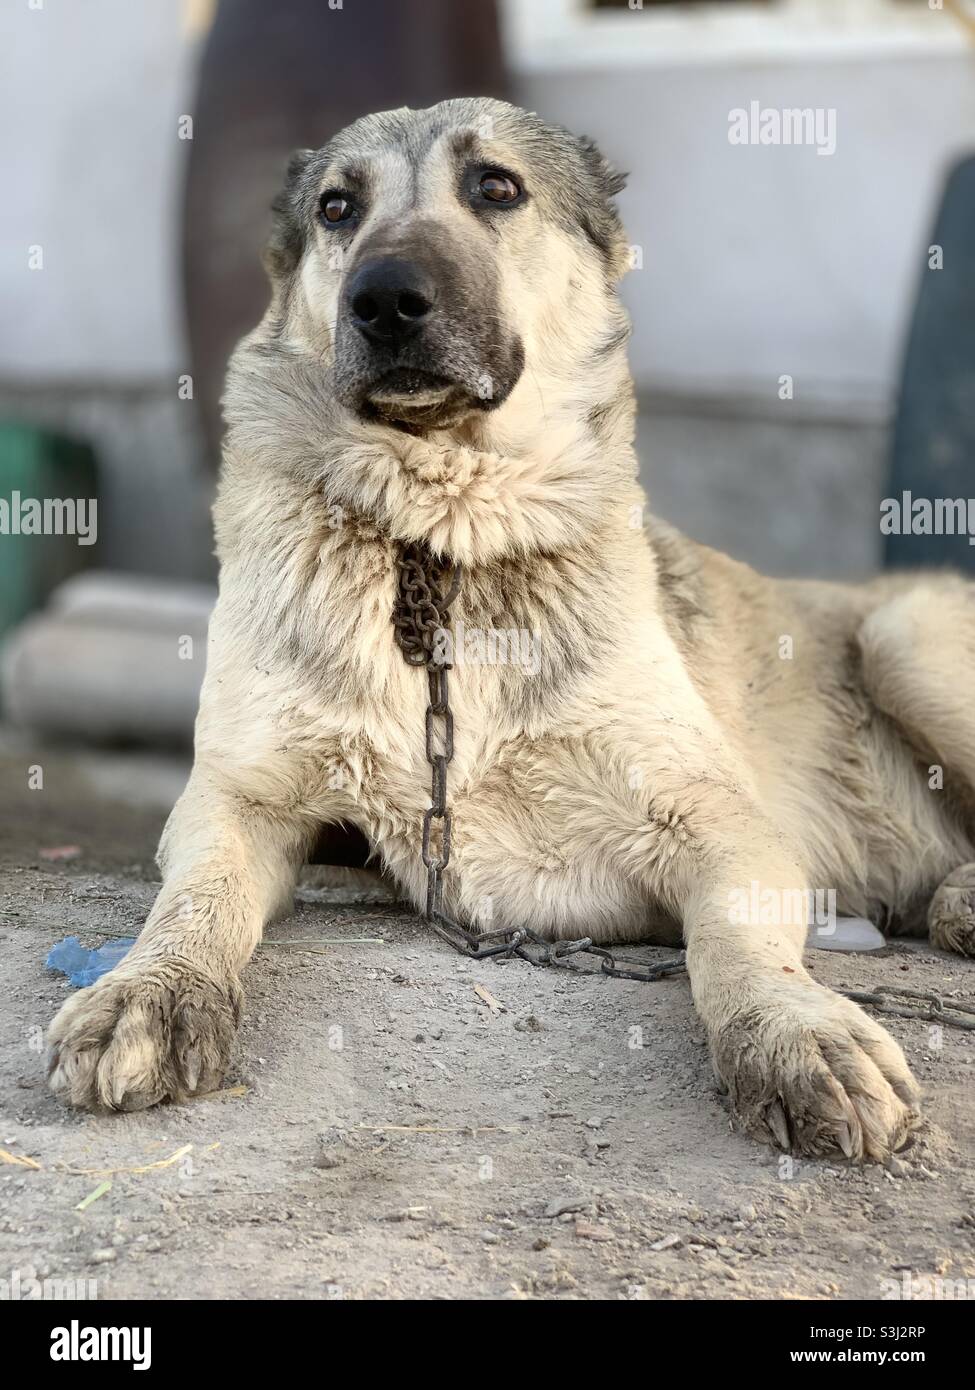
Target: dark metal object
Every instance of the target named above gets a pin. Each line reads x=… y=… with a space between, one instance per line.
x=917 y=1004
x=427 y=586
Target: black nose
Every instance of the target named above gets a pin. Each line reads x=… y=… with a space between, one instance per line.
x=390 y=299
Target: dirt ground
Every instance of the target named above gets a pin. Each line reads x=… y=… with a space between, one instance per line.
x=385 y=1132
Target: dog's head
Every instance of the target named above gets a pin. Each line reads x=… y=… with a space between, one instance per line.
x=429 y=257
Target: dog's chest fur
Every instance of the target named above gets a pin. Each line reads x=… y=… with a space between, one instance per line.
x=335 y=713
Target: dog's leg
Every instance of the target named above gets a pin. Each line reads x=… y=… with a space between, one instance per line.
x=161 y=1024
x=805 y=1068
x=919 y=665
x=951 y=916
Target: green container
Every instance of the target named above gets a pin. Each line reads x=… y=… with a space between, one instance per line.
x=48 y=516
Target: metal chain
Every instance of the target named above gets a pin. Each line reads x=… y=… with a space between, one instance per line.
x=421 y=621
x=932 y=1008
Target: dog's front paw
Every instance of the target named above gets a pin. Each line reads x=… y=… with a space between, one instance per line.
x=139 y=1035
x=810 y=1072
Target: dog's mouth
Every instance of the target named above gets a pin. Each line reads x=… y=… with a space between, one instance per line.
x=419 y=395
x=412 y=396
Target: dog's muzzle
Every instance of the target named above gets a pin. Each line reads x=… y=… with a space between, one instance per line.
x=419 y=338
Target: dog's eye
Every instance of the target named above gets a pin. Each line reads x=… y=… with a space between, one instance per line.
x=335 y=208
x=499 y=188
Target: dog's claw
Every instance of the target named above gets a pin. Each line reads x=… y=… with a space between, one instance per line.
x=192 y=1064
x=845 y=1139
x=779 y=1126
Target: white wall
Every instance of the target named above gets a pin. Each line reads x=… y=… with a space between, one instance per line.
x=760 y=261
x=90 y=94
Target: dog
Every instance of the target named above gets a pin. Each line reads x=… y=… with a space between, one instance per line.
x=443 y=363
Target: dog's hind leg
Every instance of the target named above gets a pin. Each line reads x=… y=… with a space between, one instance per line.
x=951 y=916
x=919 y=669
x=161 y=1024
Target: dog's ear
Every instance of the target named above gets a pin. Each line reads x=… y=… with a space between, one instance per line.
x=601 y=220
x=287 y=240
x=610 y=179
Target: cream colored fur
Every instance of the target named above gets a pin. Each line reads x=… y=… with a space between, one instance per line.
x=666 y=757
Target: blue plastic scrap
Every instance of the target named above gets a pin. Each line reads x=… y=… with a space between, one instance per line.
x=82 y=966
